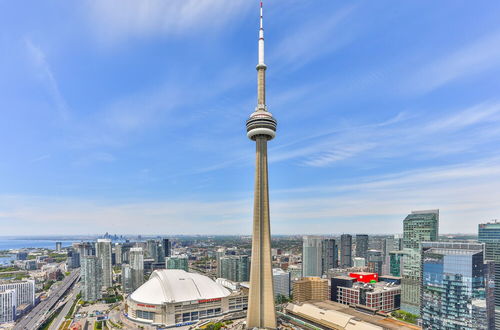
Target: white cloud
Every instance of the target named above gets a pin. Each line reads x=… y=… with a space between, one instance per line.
x=310 y=40
x=471 y=59
x=466 y=194
x=118 y=20
x=39 y=58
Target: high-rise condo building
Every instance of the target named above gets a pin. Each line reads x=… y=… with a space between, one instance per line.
x=136 y=267
x=25 y=291
x=329 y=255
x=312 y=248
x=58 y=246
x=235 y=268
x=91 y=278
x=489 y=234
x=361 y=246
x=345 y=251
x=167 y=247
x=218 y=256
x=103 y=252
x=118 y=254
x=375 y=261
x=177 y=262
x=127 y=279
x=261 y=127
x=84 y=249
x=453 y=287
x=282 y=282
x=7 y=306
x=418 y=227
x=152 y=249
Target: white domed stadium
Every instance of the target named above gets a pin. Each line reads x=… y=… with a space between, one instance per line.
x=173 y=297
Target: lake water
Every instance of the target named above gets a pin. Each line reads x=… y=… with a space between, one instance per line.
x=12 y=243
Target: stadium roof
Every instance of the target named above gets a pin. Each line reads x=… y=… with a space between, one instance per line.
x=176 y=285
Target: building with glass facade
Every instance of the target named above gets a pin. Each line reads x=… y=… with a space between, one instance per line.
x=345 y=251
x=454 y=288
x=489 y=234
x=361 y=246
x=311 y=256
x=235 y=268
x=91 y=278
x=282 y=281
x=329 y=255
x=418 y=227
x=396 y=263
x=103 y=252
x=375 y=261
x=136 y=256
x=177 y=262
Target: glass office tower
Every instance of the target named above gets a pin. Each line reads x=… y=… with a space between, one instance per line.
x=453 y=286
x=489 y=234
x=419 y=226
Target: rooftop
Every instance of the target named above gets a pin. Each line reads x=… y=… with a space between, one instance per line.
x=176 y=285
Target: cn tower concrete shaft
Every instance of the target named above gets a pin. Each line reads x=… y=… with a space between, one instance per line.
x=261 y=309
x=261 y=127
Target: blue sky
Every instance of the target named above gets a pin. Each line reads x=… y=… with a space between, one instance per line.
x=128 y=116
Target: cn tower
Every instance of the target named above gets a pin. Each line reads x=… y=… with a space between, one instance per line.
x=261 y=127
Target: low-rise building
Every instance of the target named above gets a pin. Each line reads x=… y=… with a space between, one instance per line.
x=356 y=291
x=310 y=288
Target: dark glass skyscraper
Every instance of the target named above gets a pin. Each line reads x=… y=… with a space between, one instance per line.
x=362 y=246
x=345 y=251
x=329 y=255
x=453 y=286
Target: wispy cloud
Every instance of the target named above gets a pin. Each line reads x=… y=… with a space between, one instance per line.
x=118 y=20
x=306 y=41
x=469 y=60
x=418 y=135
x=376 y=204
x=46 y=74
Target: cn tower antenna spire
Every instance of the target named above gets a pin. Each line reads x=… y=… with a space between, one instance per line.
x=261 y=37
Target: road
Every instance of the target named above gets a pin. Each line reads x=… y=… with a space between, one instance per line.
x=69 y=302
x=38 y=314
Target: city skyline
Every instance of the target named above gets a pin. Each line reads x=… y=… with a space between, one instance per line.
x=114 y=121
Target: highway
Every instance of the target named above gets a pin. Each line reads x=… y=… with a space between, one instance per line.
x=67 y=306
x=37 y=315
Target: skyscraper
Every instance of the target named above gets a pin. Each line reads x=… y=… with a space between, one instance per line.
x=489 y=234
x=418 y=227
x=235 y=268
x=261 y=127
x=311 y=256
x=361 y=246
x=282 y=282
x=118 y=254
x=453 y=286
x=103 y=252
x=374 y=261
x=91 y=278
x=329 y=255
x=136 y=267
x=345 y=251
x=167 y=247
x=177 y=262
x=152 y=249
x=7 y=306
